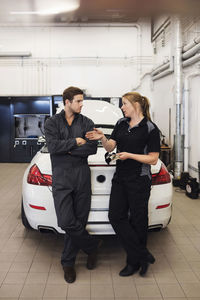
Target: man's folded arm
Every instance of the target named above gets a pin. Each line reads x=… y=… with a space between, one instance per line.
x=90 y=147
x=54 y=144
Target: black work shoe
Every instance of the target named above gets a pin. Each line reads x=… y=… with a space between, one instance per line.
x=150 y=258
x=69 y=274
x=144 y=267
x=92 y=257
x=129 y=270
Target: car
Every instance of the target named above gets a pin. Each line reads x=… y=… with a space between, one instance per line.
x=37 y=209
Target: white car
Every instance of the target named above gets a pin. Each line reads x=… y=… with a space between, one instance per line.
x=38 y=210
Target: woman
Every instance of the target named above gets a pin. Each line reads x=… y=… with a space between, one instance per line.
x=138 y=144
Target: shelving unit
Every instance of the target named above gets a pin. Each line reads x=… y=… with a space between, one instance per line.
x=23 y=124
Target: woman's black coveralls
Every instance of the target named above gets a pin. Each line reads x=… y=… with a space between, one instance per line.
x=131 y=184
x=71 y=184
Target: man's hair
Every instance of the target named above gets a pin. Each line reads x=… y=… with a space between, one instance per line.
x=70 y=92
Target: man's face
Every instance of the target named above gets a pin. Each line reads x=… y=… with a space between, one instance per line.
x=76 y=104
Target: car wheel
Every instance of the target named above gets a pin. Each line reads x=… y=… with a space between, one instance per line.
x=169 y=220
x=156 y=229
x=24 y=219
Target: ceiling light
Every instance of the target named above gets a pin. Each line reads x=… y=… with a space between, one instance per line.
x=50 y=7
x=16 y=54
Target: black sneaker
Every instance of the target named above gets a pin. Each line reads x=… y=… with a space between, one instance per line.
x=129 y=270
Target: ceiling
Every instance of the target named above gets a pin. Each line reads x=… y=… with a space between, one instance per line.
x=105 y=11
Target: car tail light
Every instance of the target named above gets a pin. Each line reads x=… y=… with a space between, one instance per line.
x=162 y=177
x=163 y=206
x=37 y=178
x=37 y=207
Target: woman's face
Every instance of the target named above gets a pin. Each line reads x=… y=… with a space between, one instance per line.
x=127 y=108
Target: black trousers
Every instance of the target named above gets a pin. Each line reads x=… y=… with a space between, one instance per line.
x=72 y=199
x=128 y=214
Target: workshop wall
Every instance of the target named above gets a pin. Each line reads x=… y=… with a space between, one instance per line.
x=162 y=91
x=106 y=61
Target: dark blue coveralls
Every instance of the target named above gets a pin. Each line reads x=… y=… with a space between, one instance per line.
x=71 y=181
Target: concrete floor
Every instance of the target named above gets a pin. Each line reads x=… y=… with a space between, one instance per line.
x=30 y=261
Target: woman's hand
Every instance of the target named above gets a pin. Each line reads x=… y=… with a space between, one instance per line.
x=96 y=134
x=123 y=155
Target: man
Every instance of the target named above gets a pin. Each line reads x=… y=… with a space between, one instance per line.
x=65 y=137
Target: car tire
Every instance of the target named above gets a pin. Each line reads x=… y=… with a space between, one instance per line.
x=169 y=220
x=156 y=229
x=23 y=217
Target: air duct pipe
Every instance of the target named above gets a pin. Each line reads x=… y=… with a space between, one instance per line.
x=160 y=69
x=191 y=60
x=191 y=52
x=192 y=44
x=186 y=119
x=163 y=70
x=178 y=138
x=15 y=54
x=188 y=58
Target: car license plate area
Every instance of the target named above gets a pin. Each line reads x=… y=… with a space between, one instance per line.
x=101 y=177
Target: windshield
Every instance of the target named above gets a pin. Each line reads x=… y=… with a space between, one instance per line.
x=107 y=130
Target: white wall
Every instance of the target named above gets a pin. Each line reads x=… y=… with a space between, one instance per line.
x=163 y=101
x=106 y=61
x=194 y=125
x=162 y=94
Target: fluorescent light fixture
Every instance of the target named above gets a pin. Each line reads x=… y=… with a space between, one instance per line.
x=15 y=54
x=23 y=13
x=50 y=7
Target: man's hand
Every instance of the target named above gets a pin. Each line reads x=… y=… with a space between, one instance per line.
x=123 y=155
x=96 y=134
x=80 y=141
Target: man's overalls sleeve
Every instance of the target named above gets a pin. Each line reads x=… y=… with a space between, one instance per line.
x=54 y=143
x=90 y=147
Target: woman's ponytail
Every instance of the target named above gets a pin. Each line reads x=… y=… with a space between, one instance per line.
x=145 y=107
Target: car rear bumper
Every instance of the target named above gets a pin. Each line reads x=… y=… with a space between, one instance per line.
x=98 y=222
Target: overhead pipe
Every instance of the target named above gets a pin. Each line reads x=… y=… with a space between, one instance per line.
x=186 y=119
x=191 y=44
x=178 y=138
x=191 y=60
x=165 y=72
x=160 y=29
x=15 y=54
x=191 y=52
x=67 y=24
x=188 y=57
x=160 y=66
x=161 y=69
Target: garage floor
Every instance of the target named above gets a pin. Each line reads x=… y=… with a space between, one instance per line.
x=30 y=261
